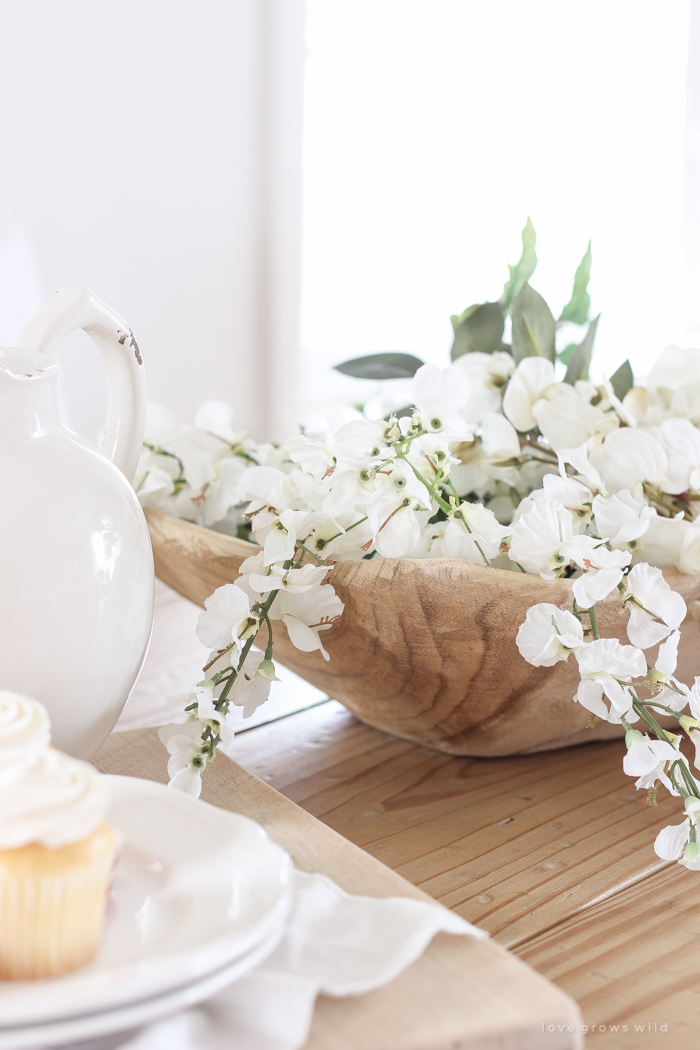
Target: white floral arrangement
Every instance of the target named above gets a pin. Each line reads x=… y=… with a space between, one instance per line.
x=495 y=462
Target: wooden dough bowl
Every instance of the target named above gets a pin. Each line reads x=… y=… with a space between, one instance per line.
x=425 y=650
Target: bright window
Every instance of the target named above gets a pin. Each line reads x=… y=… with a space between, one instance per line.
x=433 y=130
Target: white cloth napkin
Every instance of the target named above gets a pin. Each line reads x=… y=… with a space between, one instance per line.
x=333 y=943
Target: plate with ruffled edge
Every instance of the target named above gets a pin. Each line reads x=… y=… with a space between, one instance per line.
x=196 y=888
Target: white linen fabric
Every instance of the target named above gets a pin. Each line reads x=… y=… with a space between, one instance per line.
x=334 y=943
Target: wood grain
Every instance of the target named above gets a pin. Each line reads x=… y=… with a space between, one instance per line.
x=462 y=993
x=426 y=650
x=632 y=960
x=515 y=844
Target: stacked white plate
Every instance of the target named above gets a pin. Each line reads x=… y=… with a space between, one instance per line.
x=200 y=897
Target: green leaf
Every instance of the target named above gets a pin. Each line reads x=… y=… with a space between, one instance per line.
x=391 y=365
x=534 y=326
x=578 y=306
x=523 y=269
x=565 y=355
x=623 y=380
x=580 y=360
x=481 y=329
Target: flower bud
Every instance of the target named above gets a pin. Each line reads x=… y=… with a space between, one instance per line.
x=267 y=670
x=692 y=851
x=631 y=736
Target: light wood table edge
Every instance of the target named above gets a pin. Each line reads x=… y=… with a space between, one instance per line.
x=505 y=1002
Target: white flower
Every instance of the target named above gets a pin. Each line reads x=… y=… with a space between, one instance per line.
x=565 y=419
x=667 y=658
x=315 y=457
x=538 y=535
x=430 y=454
x=575 y=496
x=628 y=457
x=227 y=618
x=307 y=614
x=293 y=580
x=252 y=685
x=184 y=743
x=671 y=841
x=284 y=532
x=689 y=560
x=647 y=759
x=438 y=397
x=655 y=610
x=216 y=417
x=359 y=440
x=500 y=446
x=595 y=585
x=392 y=512
x=489 y=374
x=603 y=665
x=622 y=518
x=680 y=441
x=694 y=699
x=153 y=484
x=473 y=533
x=526 y=386
x=548 y=635
x=578 y=458
x=346 y=488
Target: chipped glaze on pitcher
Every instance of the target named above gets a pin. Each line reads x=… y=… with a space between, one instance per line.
x=76 y=567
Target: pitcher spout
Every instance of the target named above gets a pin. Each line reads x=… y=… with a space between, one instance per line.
x=29 y=405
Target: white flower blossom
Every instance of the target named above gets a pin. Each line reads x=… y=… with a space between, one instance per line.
x=648 y=759
x=606 y=666
x=627 y=458
x=548 y=635
x=305 y=615
x=252 y=685
x=565 y=418
x=438 y=397
x=489 y=374
x=227 y=618
x=680 y=440
x=527 y=385
x=655 y=610
x=295 y=581
x=623 y=518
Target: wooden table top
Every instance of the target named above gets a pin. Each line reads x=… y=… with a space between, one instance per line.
x=551 y=853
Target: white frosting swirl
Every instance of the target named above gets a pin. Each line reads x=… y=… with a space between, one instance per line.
x=24 y=726
x=50 y=799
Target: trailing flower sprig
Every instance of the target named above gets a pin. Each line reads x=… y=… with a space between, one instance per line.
x=612 y=675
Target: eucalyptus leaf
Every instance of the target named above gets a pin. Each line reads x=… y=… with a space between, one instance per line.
x=565 y=355
x=623 y=380
x=481 y=330
x=578 y=306
x=389 y=365
x=523 y=269
x=534 y=326
x=457 y=319
x=580 y=360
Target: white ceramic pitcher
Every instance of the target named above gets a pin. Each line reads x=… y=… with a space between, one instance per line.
x=76 y=567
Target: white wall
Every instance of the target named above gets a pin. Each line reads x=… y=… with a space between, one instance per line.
x=137 y=139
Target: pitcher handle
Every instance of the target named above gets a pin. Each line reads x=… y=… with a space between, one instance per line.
x=71 y=308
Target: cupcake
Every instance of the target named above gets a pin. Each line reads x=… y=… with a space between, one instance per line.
x=56 y=849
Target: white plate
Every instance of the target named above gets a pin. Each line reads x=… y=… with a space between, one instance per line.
x=108 y=1022
x=196 y=888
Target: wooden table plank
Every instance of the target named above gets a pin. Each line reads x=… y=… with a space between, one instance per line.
x=632 y=960
x=514 y=844
x=462 y=993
